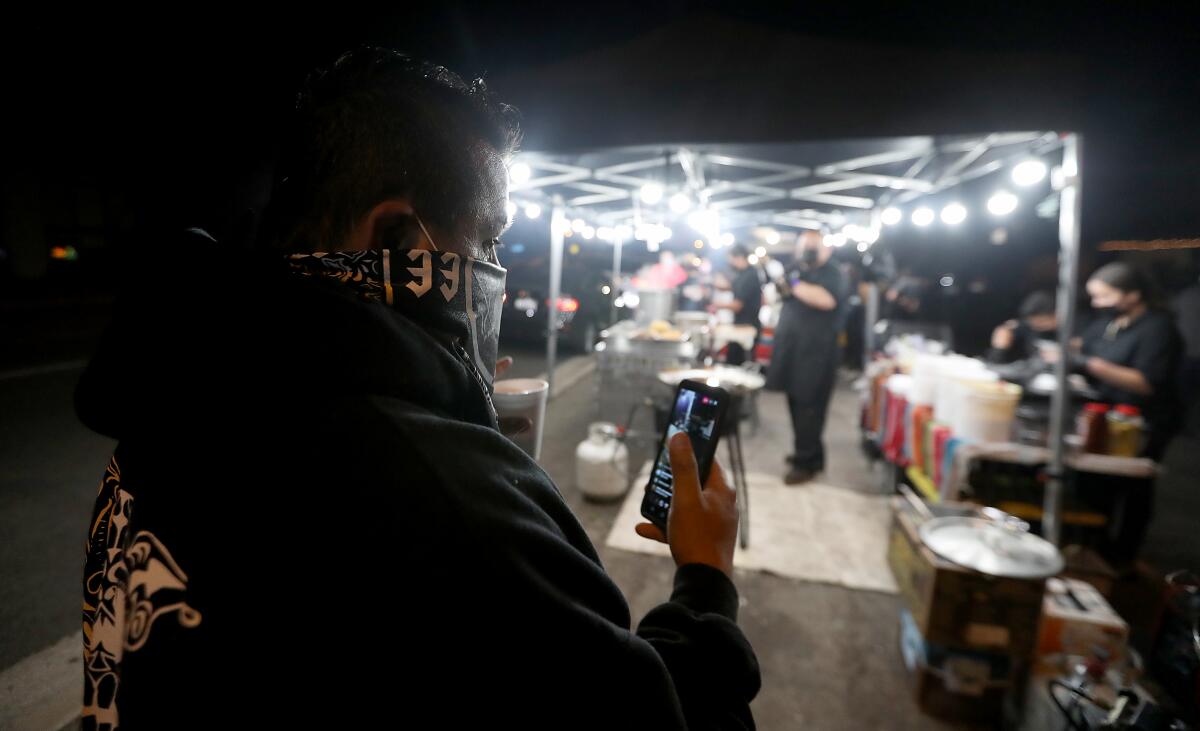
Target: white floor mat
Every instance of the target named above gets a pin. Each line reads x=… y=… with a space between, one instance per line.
x=812 y=532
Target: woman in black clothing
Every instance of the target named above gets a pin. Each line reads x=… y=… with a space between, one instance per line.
x=1130 y=352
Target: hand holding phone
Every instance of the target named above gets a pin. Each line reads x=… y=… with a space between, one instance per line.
x=699 y=525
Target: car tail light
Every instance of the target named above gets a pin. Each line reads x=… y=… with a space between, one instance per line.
x=568 y=304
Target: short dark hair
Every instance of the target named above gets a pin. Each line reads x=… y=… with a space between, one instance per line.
x=1037 y=303
x=1124 y=277
x=377 y=124
x=739 y=251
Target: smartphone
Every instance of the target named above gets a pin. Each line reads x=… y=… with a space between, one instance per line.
x=699 y=410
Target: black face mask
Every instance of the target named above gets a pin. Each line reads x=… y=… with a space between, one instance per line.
x=454 y=296
x=810 y=257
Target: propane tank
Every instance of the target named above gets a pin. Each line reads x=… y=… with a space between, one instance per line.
x=602 y=463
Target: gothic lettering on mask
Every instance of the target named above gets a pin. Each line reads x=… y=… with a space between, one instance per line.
x=456 y=297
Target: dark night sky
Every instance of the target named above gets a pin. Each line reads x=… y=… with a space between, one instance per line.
x=173 y=109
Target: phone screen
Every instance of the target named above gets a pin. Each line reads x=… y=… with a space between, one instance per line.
x=697 y=411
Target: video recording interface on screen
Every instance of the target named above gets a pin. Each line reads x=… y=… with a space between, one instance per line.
x=694 y=413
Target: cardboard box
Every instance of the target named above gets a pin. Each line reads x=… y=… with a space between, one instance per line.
x=1077 y=620
x=958 y=685
x=1087 y=565
x=958 y=607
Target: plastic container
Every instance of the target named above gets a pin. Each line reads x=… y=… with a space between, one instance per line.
x=986 y=411
x=952 y=389
x=1125 y=426
x=922 y=415
x=602 y=463
x=898 y=387
x=926 y=371
x=1092 y=427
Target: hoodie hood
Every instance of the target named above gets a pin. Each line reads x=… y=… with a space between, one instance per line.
x=199 y=327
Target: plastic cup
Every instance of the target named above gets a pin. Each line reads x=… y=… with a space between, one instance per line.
x=524 y=397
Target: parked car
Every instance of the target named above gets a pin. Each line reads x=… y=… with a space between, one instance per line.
x=583 y=309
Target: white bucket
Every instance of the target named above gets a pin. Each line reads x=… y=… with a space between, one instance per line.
x=986 y=411
x=953 y=370
x=926 y=371
x=900 y=385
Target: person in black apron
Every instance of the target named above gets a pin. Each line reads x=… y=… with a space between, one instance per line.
x=746 y=303
x=805 y=358
x=1129 y=354
x=1016 y=340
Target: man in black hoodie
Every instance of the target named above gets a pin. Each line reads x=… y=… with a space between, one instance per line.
x=311 y=519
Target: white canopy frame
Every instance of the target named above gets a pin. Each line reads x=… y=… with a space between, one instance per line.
x=748 y=191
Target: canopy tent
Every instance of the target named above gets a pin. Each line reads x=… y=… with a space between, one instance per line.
x=677 y=96
x=717 y=189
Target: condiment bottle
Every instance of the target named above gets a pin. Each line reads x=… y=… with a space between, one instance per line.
x=1092 y=427
x=1124 y=431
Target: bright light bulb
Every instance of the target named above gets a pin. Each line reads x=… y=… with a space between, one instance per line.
x=651 y=246
x=1002 y=203
x=1029 y=172
x=863 y=246
x=624 y=231
x=954 y=214
x=519 y=173
x=587 y=232
x=511 y=209
x=604 y=233
x=726 y=239
x=680 y=203
x=891 y=216
x=835 y=240
x=578 y=224
x=533 y=210
x=651 y=193
x=761 y=252
x=705 y=221
x=922 y=216
x=771 y=238
x=753 y=258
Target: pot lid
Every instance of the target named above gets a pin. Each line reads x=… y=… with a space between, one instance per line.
x=991 y=548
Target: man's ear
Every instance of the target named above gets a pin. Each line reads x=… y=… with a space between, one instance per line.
x=392 y=223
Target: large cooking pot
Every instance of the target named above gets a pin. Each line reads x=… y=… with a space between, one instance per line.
x=997 y=545
x=655 y=304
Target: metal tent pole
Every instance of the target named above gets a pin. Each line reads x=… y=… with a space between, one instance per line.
x=1068 y=276
x=558 y=227
x=870 y=316
x=616 y=279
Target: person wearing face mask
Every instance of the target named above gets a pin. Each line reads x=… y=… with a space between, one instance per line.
x=311 y=517
x=805 y=356
x=746 y=303
x=1017 y=339
x=1130 y=351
